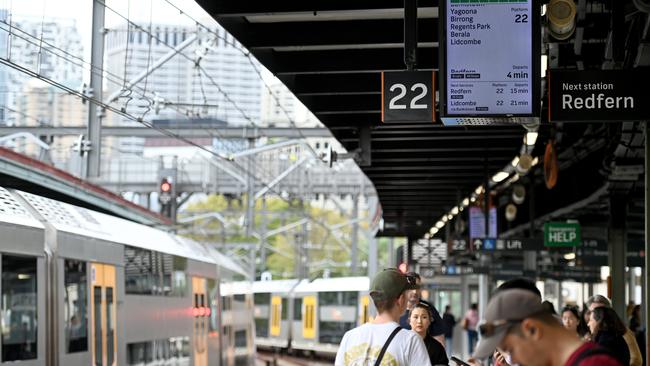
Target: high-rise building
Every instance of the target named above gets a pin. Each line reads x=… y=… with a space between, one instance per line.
x=225 y=84
x=45 y=47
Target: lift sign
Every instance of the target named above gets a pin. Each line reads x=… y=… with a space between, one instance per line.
x=561 y=234
x=408 y=96
x=590 y=96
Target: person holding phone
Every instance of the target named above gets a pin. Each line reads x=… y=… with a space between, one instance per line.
x=420 y=319
x=516 y=324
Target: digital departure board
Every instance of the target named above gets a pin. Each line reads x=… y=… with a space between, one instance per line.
x=490 y=60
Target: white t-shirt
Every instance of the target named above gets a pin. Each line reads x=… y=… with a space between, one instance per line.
x=361 y=346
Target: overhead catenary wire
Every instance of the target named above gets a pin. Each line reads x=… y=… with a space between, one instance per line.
x=27 y=37
x=168 y=133
x=140 y=120
x=250 y=60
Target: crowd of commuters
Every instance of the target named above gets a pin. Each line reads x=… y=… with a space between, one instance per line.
x=517 y=328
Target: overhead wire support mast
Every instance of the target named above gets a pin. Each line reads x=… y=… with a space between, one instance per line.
x=94 y=136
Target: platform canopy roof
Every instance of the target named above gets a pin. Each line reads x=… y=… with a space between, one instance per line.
x=330 y=53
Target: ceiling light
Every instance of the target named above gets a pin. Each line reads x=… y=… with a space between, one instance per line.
x=570 y=256
x=479 y=190
x=535 y=161
x=466 y=202
x=544 y=65
x=427 y=236
x=454 y=211
x=511 y=212
x=500 y=176
x=515 y=161
x=531 y=138
x=524 y=164
x=444 y=218
x=450 y=216
x=439 y=224
x=434 y=231
x=473 y=199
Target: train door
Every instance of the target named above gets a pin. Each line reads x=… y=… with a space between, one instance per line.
x=276 y=312
x=309 y=317
x=103 y=314
x=200 y=312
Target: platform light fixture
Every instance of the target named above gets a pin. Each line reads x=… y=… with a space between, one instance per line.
x=570 y=256
x=500 y=176
x=440 y=224
x=531 y=138
x=466 y=202
x=454 y=211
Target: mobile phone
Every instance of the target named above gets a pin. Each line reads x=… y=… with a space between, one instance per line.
x=459 y=361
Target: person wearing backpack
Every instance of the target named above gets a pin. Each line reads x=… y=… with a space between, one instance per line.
x=517 y=325
x=382 y=342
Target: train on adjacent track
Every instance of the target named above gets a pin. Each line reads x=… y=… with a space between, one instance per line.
x=308 y=317
x=81 y=287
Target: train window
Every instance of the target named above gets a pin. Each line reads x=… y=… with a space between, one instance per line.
x=75 y=309
x=261 y=327
x=160 y=351
x=179 y=284
x=332 y=332
x=213 y=302
x=19 y=312
x=97 y=298
x=285 y=308
x=225 y=303
x=348 y=298
x=241 y=338
x=240 y=298
x=110 y=326
x=297 y=309
x=152 y=273
x=262 y=299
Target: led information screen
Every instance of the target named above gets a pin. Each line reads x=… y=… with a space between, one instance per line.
x=491 y=65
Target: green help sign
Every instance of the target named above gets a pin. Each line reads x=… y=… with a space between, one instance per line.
x=561 y=234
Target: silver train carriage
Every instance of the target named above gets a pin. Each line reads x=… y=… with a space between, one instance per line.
x=309 y=317
x=84 y=288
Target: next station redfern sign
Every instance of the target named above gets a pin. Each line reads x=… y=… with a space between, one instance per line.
x=598 y=95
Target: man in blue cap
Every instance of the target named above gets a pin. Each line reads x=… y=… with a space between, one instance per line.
x=382 y=341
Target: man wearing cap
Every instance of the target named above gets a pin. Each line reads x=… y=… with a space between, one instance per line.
x=383 y=338
x=414 y=297
x=518 y=326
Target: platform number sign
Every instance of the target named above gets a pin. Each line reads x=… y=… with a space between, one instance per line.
x=408 y=96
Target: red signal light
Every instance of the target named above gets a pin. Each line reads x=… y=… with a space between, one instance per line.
x=195 y=312
x=208 y=311
x=165 y=186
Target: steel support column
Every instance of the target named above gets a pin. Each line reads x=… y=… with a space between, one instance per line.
x=617 y=252
x=646 y=299
x=354 y=255
x=250 y=197
x=94 y=131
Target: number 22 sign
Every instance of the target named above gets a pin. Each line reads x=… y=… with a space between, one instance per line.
x=408 y=96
